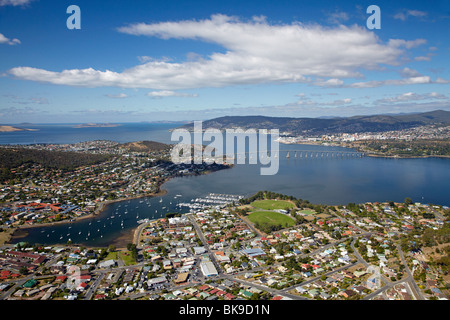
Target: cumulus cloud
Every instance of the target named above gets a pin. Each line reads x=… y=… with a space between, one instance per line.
x=256 y=52
x=5 y=40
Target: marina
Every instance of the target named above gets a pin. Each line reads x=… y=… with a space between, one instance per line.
x=214 y=200
x=329 y=181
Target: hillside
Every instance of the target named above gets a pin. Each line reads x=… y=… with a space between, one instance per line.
x=13 y=158
x=317 y=126
x=145 y=146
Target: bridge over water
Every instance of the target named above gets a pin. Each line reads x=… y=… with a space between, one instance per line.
x=306 y=154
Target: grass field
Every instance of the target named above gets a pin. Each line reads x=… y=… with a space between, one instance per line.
x=124 y=256
x=306 y=211
x=272 y=204
x=270 y=217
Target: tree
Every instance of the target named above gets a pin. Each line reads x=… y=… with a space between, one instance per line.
x=255 y=296
x=23 y=270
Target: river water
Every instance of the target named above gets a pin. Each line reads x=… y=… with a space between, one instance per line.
x=322 y=180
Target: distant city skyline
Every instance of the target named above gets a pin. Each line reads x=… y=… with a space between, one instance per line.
x=197 y=60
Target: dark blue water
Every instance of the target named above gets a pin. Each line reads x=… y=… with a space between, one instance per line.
x=319 y=180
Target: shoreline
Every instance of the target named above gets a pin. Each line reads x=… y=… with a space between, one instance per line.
x=21 y=231
x=375 y=155
x=120 y=241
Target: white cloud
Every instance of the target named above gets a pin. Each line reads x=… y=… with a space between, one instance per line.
x=422 y=58
x=337 y=17
x=117 y=96
x=14 y=99
x=168 y=93
x=329 y=83
x=409 y=77
x=19 y=112
x=391 y=82
x=304 y=101
x=14 y=3
x=144 y=59
x=410 y=13
x=411 y=96
x=256 y=52
x=407 y=73
x=408 y=44
x=442 y=81
x=5 y=40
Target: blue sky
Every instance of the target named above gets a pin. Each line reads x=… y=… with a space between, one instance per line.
x=193 y=60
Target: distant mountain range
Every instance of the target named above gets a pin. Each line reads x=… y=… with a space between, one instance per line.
x=318 y=126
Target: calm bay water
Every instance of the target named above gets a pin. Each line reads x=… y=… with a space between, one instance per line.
x=319 y=180
x=68 y=133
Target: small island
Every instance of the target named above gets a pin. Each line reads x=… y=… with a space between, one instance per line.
x=13 y=129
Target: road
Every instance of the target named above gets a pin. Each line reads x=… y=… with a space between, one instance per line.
x=205 y=243
x=99 y=274
x=409 y=280
x=414 y=287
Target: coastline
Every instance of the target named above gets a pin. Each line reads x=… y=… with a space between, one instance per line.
x=21 y=231
x=374 y=155
x=121 y=240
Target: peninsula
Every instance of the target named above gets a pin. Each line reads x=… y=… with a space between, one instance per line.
x=45 y=184
x=13 y=129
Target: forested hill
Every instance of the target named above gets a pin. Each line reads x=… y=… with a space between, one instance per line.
x=318 y=126
x=15 y=157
